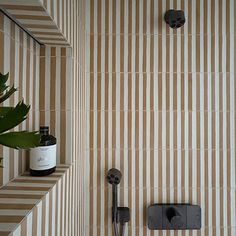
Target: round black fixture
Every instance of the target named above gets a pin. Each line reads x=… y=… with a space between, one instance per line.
x=175 y=18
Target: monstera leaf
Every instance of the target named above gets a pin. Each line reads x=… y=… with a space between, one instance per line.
x=3 y=80
x=7 y=94
x=10 y=117
x=20 y=140
x=14 y=117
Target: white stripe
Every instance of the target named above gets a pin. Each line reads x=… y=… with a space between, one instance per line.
x=39 y=219
x=17 y=231
x=46 y=216
x=57 y=91
x=19 y=184
x=35 y=22
x=59 y=204
x=29 y=224
x=35 y=30
x=47 y=83
x=49 y=36
x=27 y=12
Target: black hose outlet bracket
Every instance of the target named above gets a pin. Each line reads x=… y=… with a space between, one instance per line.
x=123 y=215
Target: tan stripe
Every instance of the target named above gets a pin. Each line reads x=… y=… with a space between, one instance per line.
x=52 y=91
x=63 y=105
x=167 y=152
x=106 y=214
x=28 y=61
x=16 y=206
x=12 y=78
x=32 y=17
x=57 y=213
x=175 y=96
x=228 y=22
x=190 y=157
x=122 y=113
x=50 y=225
x=1 y=70
x=52 y=9
x=11 y=219
x=144 y=136
x=190 y=106
x=43 y=218
x=21 y=196
x=229 y=208
x=47 y=33
x=136 y=199
x=4 y=233
x=38 y=26
x=34 y=221
x=175 y=175
x=34 y=99
x=42 y=85
x=25 y=188
x=198 y=130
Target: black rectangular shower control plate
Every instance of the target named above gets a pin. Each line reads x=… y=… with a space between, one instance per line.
x=174 y=217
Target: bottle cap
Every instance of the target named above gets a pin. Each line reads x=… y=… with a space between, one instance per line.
x=44 y=130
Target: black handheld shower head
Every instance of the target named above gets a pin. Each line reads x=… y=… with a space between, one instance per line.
x=114 y=176
x=120 y=215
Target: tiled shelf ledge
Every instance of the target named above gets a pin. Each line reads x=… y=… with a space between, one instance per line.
x=21 y=198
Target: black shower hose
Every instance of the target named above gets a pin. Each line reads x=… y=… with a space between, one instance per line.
x=116 y=231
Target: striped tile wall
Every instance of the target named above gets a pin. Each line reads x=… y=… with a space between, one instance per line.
x=60 y=99
x=33 y=16
x=69 y=17
x=55 y=92
x=19 y=55
x=40 y=206
x=161 y=107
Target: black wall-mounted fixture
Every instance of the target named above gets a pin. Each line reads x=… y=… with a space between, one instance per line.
x=174 y=217
x=175 y=18
x=120 y=215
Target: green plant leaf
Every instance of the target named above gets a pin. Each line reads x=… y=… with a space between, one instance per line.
x=20 y=140
x=4 y=110
x=3 y=80
x=14 y=117
x=7 y=94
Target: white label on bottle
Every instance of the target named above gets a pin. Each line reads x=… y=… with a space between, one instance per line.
x=43 y=158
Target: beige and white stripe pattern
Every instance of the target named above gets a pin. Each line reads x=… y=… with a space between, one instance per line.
x=161 y=108
x=55 y=92
x=57 y=88
x=44 y=79
x=40 y=206
x=34 y=17
x=19 y=55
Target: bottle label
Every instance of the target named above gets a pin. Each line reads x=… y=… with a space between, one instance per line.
x=43 y=158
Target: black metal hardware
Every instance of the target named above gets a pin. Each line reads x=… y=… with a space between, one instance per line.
x=123 y=215
x=175 y=18
x=120 y=215
x=174 y=217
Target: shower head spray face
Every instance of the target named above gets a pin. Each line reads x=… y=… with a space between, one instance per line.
x=114 y=176
x=175 y=18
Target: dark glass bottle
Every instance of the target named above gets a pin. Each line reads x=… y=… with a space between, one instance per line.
x=43 y=158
